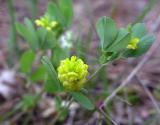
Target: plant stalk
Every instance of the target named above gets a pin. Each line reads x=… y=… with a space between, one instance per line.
x=145 y=11
x=96 y=72
x=12 y=45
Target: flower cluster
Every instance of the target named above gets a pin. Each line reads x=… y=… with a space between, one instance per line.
x=46 y=23
x=72 y=73
x=133 y=43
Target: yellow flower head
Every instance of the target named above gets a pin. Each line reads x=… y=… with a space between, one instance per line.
x=46 y=23
x=133 y=43
x=72 y=73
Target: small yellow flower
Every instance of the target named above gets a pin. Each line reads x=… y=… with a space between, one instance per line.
x=133 y=43
x=46 y=23
x=72 y=73
x=38 y=22
x=54 y=24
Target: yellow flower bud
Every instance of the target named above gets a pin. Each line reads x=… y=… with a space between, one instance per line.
x=72 y=73
x=133 y=43
x=48 y=28
x=38 y=22
x=46 y=23
x=54 y=24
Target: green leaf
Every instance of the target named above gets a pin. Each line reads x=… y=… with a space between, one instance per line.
x=41 y=33
x=23 y=31
x=47 y=40
x=79 y=48
x=50 y=86
x=138 y=30
x=143 y=46
x=52 y=72
x=58 y=102
x=66 y=7
x=28 y=101
x=26 y=61
x=121 y=41
x=59 y=54
x=83 y=100
x=32 y=30
x=27 y=35
x=63 y=116
x=107 y=31
x=38 y=74
x=50 y=41
x=54 y=12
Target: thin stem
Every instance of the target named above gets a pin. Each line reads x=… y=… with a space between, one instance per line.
x=12 y=46
x=96 y=72
x=59 y=114
x=33 y=8
x=28 y=118
x=155 y=103
x=89 y=11
x=100 y=110
x=145 y=11
x=10 y=113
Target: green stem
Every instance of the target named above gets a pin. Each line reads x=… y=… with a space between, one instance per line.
x=145 y=11
x=107 y=118
x=12 y=45
x=59 y=114
x=96 y=72
x=33 y=8
x=28 y=118
x=10 y=113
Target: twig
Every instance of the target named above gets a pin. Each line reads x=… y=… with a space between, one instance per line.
x=149 y=94
x=106 y=116
x=146 y=10
x=123 y=100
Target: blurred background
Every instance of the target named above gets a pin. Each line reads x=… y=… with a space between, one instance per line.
x=137 y=104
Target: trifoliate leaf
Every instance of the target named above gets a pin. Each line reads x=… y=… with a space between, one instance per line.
x=26 y=61
x=107 y=31
x=83 y=100
x=38 y=74
x=51 y=71
x=121 y=41
x=142 y=47
x=66 y=8
x=138 y=30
